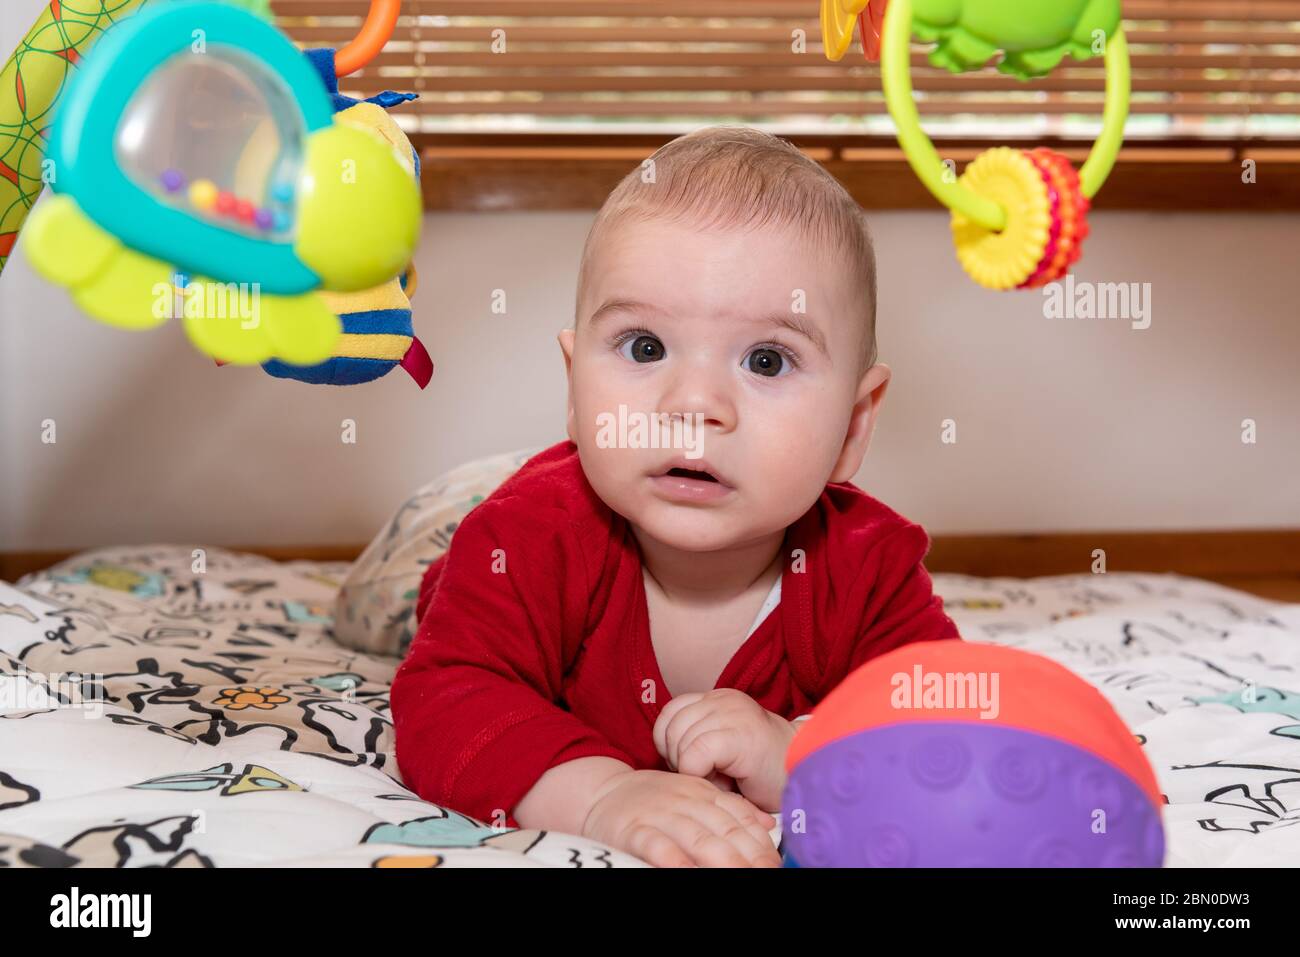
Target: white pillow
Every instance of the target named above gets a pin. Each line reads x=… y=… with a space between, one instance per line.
x=375 y=608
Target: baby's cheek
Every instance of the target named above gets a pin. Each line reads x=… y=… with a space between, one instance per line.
x=809 y=434
x=796 y=468
x=791 y=485
x=597 y=396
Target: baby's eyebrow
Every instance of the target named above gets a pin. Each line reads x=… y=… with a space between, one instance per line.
x=623 y=305
x=800 y=326
x=795 y=322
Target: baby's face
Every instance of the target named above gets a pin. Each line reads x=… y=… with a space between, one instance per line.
x=751 y=341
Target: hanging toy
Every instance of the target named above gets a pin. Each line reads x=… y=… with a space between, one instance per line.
x=199 y=173
x=1019 y=217
x=378 y=335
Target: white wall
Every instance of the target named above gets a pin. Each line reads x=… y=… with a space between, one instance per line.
x=1061 y=425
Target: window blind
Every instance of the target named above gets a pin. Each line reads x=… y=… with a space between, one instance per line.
x=1202 y=70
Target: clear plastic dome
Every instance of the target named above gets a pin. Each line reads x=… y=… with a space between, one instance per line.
x=219 y=135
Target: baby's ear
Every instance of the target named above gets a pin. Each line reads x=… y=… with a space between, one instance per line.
x=566 y=338
x=866 y=406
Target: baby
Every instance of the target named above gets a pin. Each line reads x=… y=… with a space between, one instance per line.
x=622 y=637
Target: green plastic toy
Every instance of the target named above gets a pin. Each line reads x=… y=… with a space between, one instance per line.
x=1033 y=36
x=1019 y=217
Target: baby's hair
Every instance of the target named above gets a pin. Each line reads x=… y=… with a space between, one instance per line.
x=723 y=177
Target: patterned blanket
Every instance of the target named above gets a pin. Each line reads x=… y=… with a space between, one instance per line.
x=207 y=718
x=176 y=706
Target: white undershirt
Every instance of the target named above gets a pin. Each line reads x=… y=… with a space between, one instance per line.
x=769 y=605
x=771 y=601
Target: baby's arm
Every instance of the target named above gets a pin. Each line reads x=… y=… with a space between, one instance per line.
x=897 y=599
x=475 y=703
x=562 y=797
x=666 y=819
x=478 y=723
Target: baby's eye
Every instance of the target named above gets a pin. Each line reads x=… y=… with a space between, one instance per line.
x=643 y=348
x=766 y=361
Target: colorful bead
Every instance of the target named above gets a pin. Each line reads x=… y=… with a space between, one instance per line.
x=281 y=222
x=282 y=192
x=1073 y=213
x=172 y=180
x=1067 y=184
x=244 y=211
x=263 y=219
x=226 y=203
x=1061 y=228
x=203 y=193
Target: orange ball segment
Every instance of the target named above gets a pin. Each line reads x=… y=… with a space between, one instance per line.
x=966 y=681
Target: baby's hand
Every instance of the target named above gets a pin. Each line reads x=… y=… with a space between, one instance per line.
x=670 y=820
x=726 y=732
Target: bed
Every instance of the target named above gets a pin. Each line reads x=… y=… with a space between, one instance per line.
x=220 y=722
x=228 y=729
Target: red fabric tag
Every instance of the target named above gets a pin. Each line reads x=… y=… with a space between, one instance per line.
x=417 y=363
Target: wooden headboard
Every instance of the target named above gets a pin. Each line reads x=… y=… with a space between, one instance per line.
x=1263 y=561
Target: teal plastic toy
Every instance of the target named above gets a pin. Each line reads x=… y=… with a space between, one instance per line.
x=199 y=174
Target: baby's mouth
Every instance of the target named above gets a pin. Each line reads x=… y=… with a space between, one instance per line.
x=692 y=481
x=692 y=474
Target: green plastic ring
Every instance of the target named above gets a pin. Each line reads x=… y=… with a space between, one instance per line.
x=896 y=74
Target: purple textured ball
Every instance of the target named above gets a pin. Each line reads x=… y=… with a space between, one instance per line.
x=172 y=180
x=960 y=794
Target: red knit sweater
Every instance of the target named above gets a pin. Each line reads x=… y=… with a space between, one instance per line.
x=534 y=648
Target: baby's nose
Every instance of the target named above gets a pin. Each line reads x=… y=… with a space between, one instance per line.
x=701 y=398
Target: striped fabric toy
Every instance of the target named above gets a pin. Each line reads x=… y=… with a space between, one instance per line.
x=378 y=334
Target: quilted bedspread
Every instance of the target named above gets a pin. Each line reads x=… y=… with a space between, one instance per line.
x=174 y=706
x=214 y=722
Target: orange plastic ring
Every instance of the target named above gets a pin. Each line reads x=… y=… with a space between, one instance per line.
x=375 y=32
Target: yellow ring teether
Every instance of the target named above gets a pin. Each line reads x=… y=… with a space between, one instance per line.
x=1005 y=258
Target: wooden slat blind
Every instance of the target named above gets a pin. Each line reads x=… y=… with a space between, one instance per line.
x=1201 y=69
